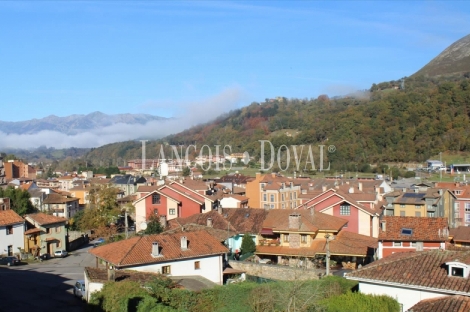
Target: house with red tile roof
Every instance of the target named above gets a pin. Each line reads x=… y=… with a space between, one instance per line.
x=460 y=237
x=290 y=235
x=359 y=210
x=194 y=253
x=61 y=205
x=400 y=234
x=455 y=303
x=411 y=277
x=11 y=232
x=44 y=233
x=235 y=221
x=171 y=200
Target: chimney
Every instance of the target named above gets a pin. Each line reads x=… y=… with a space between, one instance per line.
x=351 y=190
x=360 y=186
x=273 y=174
x=323 y=188
x=155 y=249
x=382 y=225
x=163 y=221
x=209 y=222
x=294 y=221
x=111 y=274
x=184 y=243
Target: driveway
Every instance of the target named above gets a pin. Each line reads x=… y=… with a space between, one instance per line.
x=44 y=286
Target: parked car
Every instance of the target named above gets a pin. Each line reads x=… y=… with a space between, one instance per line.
x=98 y=242
x=60 y=253
x=79 y=289
x=9 y=261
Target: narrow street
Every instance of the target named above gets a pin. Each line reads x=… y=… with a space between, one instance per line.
x=44 y=286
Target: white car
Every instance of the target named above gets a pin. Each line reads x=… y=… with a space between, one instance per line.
x=79 y=289
x=60 y=253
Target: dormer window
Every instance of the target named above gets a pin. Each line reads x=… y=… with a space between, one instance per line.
x=458 y=192
x=457 y=269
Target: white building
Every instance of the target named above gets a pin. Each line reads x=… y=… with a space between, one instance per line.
x=416 y=276
x=11 y=232
x=186 y=253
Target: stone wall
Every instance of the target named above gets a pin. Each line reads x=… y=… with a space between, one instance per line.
x=276 y=272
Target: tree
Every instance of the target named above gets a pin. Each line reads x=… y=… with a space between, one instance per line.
x=186 y=172
x=102 y=209
x=248 y=245
x=153 y=226
x=19 y=200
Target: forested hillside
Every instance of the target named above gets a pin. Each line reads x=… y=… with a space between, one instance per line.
x=385 y=124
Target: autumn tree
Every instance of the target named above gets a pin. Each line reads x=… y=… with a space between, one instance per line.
x=102 y=208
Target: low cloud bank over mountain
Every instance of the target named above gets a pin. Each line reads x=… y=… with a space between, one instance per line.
x=97 y=129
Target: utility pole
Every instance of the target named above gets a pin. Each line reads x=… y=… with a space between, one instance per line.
x=327 y=236
x=440 y=168
x=125 y=224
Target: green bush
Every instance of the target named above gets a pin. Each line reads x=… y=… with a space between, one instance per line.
x=248 y=245
x=353 y=301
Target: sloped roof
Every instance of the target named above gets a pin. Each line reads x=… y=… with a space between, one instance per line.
x=44 y=219
x=345 y=243
x=460 y=234
x=58 y=199
x=423 y=228
x=238 y=220
x=127 y=179
x=137 y=250
x=278 y=220
x=416 y=269
x=9 y=217
x=454 y=303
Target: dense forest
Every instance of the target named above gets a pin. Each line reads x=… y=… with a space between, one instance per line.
x=396 y=121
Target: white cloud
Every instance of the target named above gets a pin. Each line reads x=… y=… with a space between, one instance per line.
x=187 y=115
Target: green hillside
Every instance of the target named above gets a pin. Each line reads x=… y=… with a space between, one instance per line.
x=392 y=125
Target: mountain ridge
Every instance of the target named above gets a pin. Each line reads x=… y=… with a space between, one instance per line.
x=455 y=59
x=74 y=123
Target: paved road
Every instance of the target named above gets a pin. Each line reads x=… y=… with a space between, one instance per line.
x=44 y=286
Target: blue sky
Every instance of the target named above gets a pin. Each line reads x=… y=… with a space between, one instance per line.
x=163 y=57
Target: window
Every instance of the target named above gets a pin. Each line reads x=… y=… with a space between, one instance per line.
x=295 y=195
x=431 y=214
x=290 y=196
x=457 y=206
x=197 y=265
x=402 y=206
x=345 y=210
x=155 y=199
x=467 y=217
x=417 y=206
x=402 y=213
x=467 y=207
x=172 y=211
x=417 y=214
x=272 y=206
x=48 y=230
x=272 y=198
x=58 y=229
x=265 y=197
x=282 y=196
x=406 y=231
x=166 y=269
x=286 y=237
x=458 y=192
x=9 y=230
x=396 y=244
x=457 y=271
x=303 y=238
